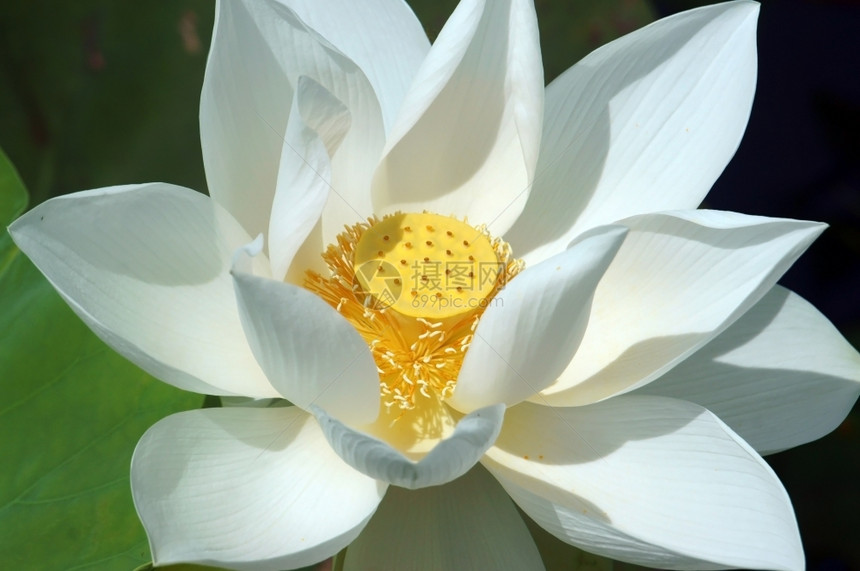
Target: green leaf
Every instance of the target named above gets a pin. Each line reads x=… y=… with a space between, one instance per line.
x=13 y=195
x=102 y=92
x=71 y=413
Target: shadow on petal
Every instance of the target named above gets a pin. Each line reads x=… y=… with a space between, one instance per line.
x=447 y=460
x=583 y=442
x=603 y=113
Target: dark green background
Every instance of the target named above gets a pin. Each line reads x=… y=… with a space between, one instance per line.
x=97 y=92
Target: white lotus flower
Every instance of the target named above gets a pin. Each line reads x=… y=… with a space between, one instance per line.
x=620 y=389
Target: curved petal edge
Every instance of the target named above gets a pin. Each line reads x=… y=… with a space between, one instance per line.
x=449 y=459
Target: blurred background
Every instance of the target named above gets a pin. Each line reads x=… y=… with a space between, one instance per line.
x=98 y=92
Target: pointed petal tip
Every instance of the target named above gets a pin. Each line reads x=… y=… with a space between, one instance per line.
x=485 y=177
x=509 y=360
x=146 y=268
x=742 y=9
x=709 y=501
x=243 y=256
x=751 y=6
x=739 y=258
x=783 y=348
x=663 y=107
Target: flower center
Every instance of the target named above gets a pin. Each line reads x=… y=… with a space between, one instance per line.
x=414 y=286
x=446 y=267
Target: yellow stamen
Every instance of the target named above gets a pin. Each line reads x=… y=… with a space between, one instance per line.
x=417 y=302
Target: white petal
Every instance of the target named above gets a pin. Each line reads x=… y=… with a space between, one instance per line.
x=146 y=267
x=649 y=480
x=449 y=459
x=309 y=352
x=317 y=125
x=259 y=51
x=780 y=376
x=247 y=488
x=469 y=523
x=532 y=328
x=643 y=124
x=244 y=107
x=467 y=138
x=679 y=280
x=383 y=37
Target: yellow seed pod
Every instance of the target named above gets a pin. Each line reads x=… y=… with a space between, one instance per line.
x=426 y=265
